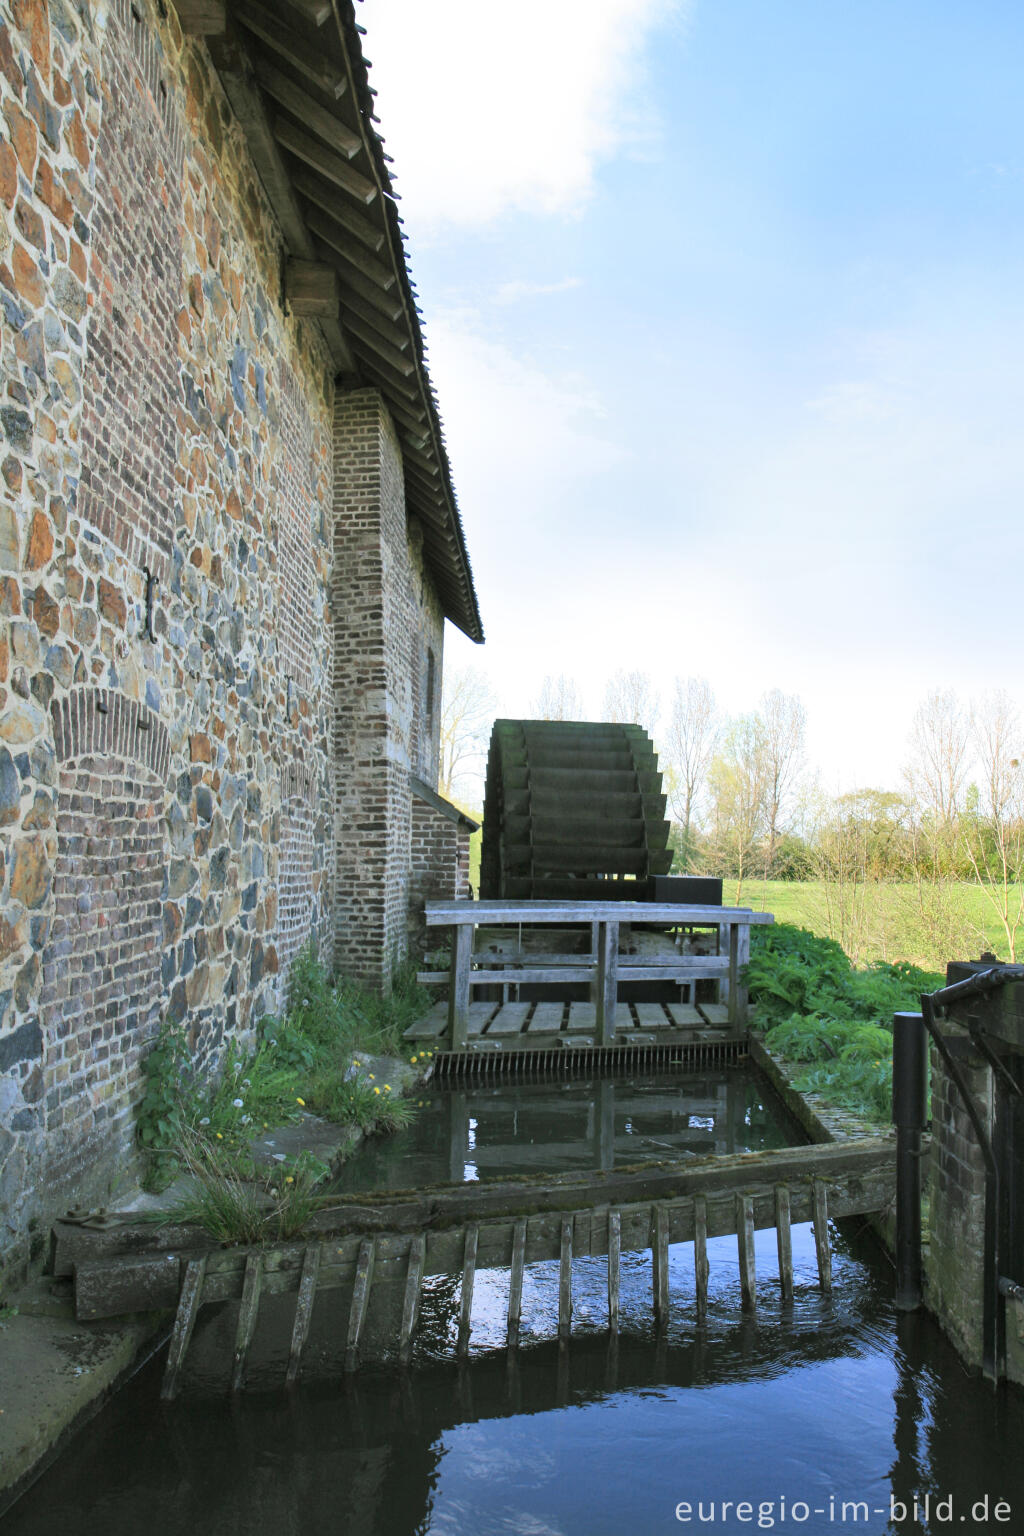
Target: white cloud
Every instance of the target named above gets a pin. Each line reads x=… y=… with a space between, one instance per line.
x=489 y=108
x=513 y=292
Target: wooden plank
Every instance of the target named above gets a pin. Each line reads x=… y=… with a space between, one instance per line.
x=745 y=1244
x=190 y=1301
x=716 y=1015
x=315 y=11
x=565 y=1279
x=314 y=63
x=297 y=100
x=248 y=1311
x=785 y=1241
x=432 y=1025
x=821 y=1243
x=478 y=1017
x=365 y=336
x=443 y=913
x=515 y=1282
x=468 y=1278
x=605 y=993
x=740 y=994
x=458 y=988
x=413 y=1288
x=360 y=1301
x=659 y=1264
x=582 y=1019
x=362 y=269
x=315 y=153
x=201 y=18
x=311 y=288
x=700 y=1253
x=737 y=1014
x=303 y=1310
x=614 y=1267
x=546 y=1019
x=649 y=1015
x=509 y=1019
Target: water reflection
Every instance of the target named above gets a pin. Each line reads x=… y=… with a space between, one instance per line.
x=505 y=1130
x=818 y=1401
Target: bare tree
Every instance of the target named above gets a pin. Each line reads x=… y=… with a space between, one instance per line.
x=692 y=737
x=939 y=744
x=737 y=787
x=467 y=712
x=992 y=830
x=629 y=699
x=783 y=723
x=559 y=699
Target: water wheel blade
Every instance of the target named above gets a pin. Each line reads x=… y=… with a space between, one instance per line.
x=360 y=1302
x=413 y=1287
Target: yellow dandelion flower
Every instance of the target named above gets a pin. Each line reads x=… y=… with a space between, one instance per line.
x=371 y=1077
x=376 y=1090
x=387 y=1087
x=412 y=1061
x=289 y=1180
x=220 y=1135
x=301 y=1101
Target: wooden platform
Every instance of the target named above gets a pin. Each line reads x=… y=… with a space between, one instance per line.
x=541 y=1026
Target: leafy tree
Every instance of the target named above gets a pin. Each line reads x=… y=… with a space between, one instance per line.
x=468 y=707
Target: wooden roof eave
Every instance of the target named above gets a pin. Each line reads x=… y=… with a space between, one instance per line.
x=297 y=81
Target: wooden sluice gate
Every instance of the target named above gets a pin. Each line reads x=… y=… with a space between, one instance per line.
x=378 y=1249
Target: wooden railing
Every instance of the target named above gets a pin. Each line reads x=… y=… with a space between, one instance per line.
x=603 y=968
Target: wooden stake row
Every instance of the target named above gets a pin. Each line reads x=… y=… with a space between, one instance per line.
x=252 y=1287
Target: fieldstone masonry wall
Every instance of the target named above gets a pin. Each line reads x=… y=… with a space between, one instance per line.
x=165 y=433
x=220 y=651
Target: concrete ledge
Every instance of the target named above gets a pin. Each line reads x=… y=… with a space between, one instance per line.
x=55 y=1373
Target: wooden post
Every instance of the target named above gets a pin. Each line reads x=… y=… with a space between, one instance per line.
x=458 y=987
x=458 y=1135
x=785 y=1241
x=303 y=1310
x=614 y=1251
x=360 y=1301
x=607 y=980
x=468 y=1277
x=413 y=1283
x=734 y=971
x=659 y=1264
x=700 y=1252
x=189 y=1303
x=742 y=959
x=606 y=1125
x=247 y=1314
x=745 y=1243
x=565 y=1279
x=723 y=948
x=824 y=1252
x=515 y=1282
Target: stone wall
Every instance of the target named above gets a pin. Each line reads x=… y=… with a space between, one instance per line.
x=165 y=650
x=387 y=624
x=956 y=1182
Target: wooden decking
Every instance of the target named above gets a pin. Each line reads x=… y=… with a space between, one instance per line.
x=546 y=1026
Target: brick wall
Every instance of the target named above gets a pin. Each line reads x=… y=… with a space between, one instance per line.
x=160 y=417
x=386 y=618
x=439 y=862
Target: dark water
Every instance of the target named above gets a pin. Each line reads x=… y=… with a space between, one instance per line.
x=501 y=1130
x=826 y=1415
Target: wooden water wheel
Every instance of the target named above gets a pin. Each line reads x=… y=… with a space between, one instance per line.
x=573 y=810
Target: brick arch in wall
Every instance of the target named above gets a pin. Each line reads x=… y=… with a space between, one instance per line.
x=101 y=969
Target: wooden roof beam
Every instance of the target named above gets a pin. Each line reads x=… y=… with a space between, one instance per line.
x=315 y=11
x=367 y=266
x=325 y=196
x=266 y=25
x=352 y=280
x=311 y=114
x=335 y=167
x=364 y=336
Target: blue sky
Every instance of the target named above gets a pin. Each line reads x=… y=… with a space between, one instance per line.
x=726 y=317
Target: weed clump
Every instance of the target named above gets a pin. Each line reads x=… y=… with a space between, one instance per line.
x=301 y=1061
